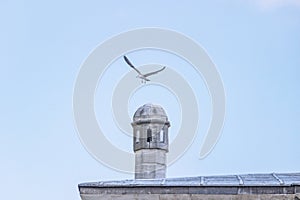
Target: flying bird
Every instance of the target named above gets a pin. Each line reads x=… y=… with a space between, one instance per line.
x=143 y=77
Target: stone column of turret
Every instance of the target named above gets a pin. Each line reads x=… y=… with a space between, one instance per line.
x=150 y=142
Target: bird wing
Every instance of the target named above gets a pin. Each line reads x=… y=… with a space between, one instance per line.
x=155 y=72
x=131 y=65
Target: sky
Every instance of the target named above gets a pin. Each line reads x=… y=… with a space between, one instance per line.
x=255 y=46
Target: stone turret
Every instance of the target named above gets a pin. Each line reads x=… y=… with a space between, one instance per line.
x=150 y=142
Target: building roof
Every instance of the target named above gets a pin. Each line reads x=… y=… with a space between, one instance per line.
x=252 y=184
x=273 y=179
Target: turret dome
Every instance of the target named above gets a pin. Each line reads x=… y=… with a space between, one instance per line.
x=150 y=111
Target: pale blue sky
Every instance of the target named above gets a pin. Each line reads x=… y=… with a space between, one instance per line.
x=255 y=45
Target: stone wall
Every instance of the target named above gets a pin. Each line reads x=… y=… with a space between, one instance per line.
x=191 y=197
x=150 y=164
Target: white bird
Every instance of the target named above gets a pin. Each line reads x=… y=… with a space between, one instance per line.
x=143 y=77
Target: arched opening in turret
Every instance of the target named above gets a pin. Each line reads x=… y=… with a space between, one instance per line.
x=149 y=135
x=137 y=136
x=161 y=136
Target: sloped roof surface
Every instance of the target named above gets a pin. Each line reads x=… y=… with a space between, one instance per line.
x=273 y=179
